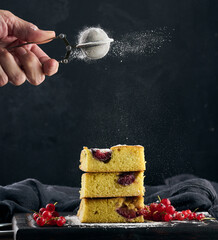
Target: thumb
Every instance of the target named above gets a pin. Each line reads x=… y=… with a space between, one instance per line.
x=27 y=31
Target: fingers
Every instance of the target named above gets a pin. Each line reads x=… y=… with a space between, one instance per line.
x=10 y=71
x=24 y=30
x=24 y=64
x=3 y=77
x=31 y=66
x=30 y=33
x=49 y=66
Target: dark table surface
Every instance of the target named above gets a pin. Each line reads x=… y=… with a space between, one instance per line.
x=25 y=228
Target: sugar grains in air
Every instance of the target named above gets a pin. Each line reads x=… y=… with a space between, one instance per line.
x=94 y=43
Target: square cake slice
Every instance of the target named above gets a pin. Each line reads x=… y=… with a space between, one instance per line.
x=102 y=185
x=111 y=210
x=120 y=158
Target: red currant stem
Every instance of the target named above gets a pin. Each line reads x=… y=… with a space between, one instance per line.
x=53 y=218
x=159 y=198
x=55 y=203
x=208 y=218
x=195 y=209
x=34 y=211
x=147 y=208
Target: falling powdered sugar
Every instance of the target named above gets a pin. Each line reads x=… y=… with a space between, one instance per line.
x=140 y=43
x=144 y=43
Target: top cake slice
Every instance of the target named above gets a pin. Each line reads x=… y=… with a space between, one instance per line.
x=120 y=158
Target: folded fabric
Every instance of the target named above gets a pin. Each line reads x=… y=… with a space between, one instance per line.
x=31 y=194
x=185 y=192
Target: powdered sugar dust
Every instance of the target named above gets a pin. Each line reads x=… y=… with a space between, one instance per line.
x=144 y=43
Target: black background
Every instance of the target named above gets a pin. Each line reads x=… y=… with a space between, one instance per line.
x=166 y=102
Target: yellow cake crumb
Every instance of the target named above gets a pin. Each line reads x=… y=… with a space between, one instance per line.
x=100 y=185
x=124 y=158
x=104 y=210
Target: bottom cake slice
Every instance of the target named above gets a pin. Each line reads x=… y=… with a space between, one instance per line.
x=111 y=210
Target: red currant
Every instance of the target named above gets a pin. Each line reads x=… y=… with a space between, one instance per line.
x=180 y=216
x=195 y=215
x=35 y=216
x=41 y=210
x=60 y=222
x=153 y=207
x=175 y=215
x=185 y=214
x=200 y=217
x=50 y=207
x=188 y=211
x=63 y=219
x=40 y=221
x=191 y=216
x=156 y=216
x=146 y=214
x=161 y=207
x=55 y=214
x=147 y=207
x=47 y=215
x=51 y=222
x=170 y=209
x=141 y=211
x=166 y=201
x=167 y=217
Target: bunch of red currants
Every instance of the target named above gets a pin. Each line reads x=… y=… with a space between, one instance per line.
x=164 y=211
x=48 y=216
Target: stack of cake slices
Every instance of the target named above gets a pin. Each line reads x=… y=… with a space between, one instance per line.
x=113 y=185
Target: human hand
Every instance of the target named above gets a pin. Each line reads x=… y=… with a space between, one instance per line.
x=29 y=62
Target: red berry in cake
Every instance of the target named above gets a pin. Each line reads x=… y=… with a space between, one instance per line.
x=50 y=207
x=161 y=207
x=35 y=216
x=41 y=210
x=170 y=209
x=166 y=201
x=153 y=207
x=180 y=216
x=200 y=217
x=47 y=215
x=126 y=178
x=55 y=214
x=40 y=221
x=127 y=213
x=103 y=155
x=167 y=217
